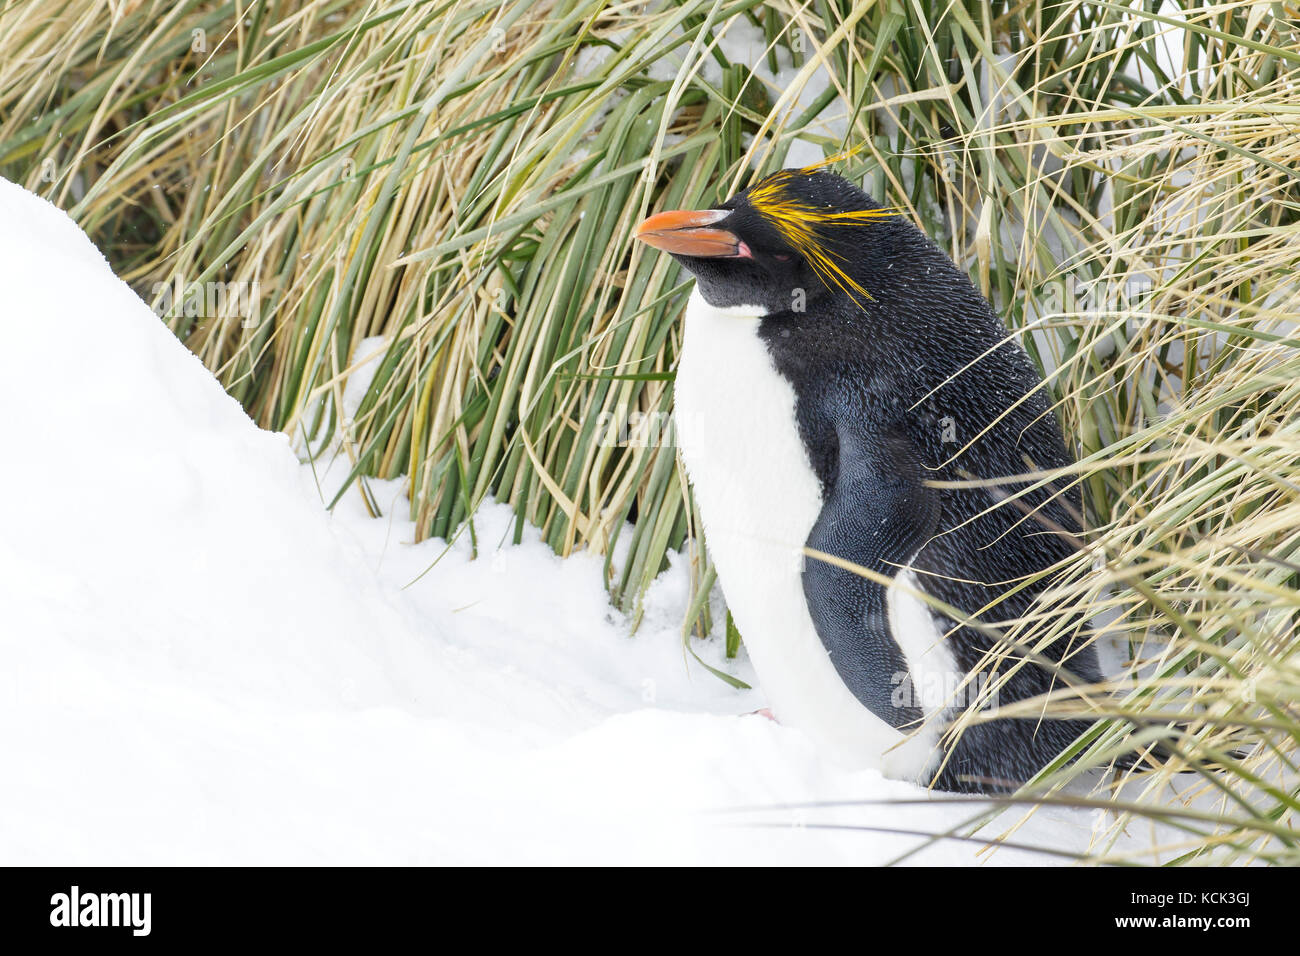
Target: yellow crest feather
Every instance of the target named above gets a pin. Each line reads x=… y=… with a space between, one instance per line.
x=799 y=222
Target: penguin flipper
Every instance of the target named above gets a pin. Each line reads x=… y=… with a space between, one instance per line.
x=877 y=516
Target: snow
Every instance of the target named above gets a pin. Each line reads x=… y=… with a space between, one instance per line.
x=202 y=665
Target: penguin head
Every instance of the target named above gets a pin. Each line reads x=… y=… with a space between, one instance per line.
x=796 y=236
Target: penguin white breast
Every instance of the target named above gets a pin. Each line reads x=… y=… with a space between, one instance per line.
x=759 y=499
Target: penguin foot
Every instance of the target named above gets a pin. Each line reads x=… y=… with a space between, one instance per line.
x=764 y=712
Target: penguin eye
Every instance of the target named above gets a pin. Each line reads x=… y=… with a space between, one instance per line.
x=781 y=255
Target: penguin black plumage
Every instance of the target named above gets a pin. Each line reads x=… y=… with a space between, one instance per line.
x=834 y=363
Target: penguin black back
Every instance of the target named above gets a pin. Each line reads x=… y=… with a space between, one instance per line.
x=927 y=351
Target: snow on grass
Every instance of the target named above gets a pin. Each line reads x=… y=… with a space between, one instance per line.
x=742 y=42
x=202 y=665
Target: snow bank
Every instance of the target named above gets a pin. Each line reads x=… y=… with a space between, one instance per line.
x=202 y=665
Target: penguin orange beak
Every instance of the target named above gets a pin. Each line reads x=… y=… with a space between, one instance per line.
x=688 y=233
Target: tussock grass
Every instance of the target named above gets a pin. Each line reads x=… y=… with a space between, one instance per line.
x=461 y=180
